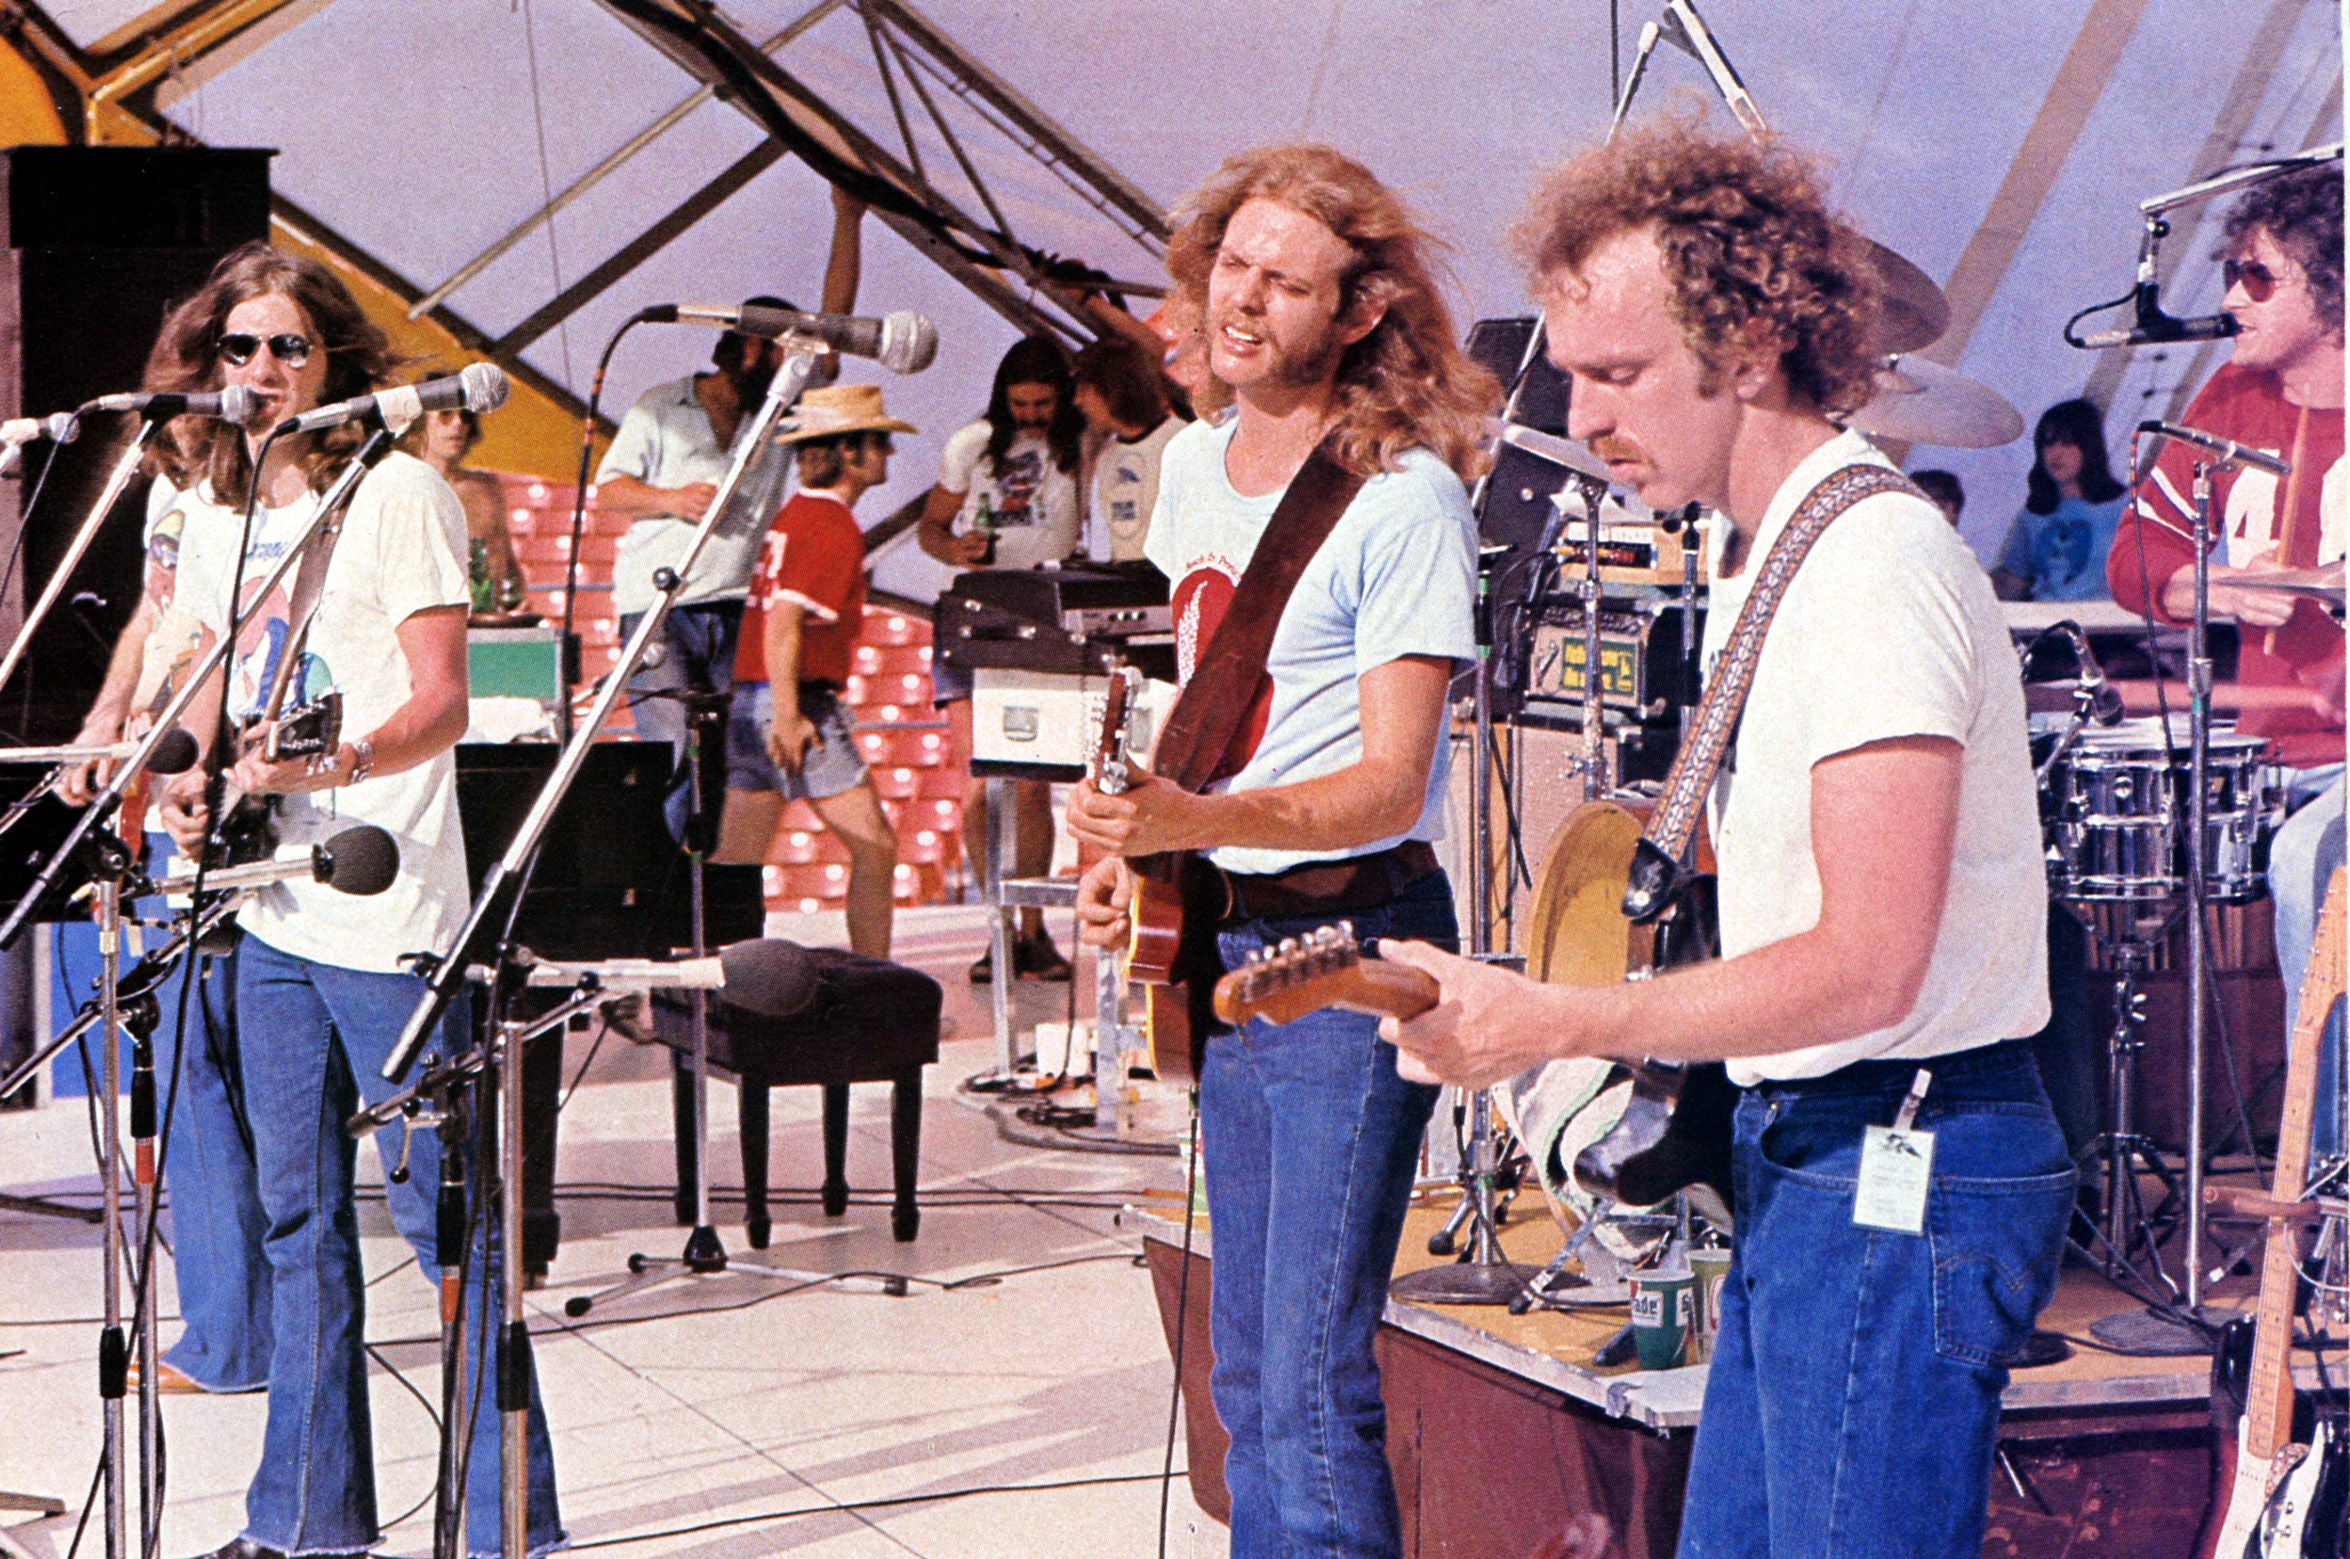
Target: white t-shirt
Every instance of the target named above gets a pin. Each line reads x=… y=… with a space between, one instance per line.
x=1396 y=577
x=1034 y=501
x=402 y=550
x=666 y=441
x=1889 y=630
x=1125 y=491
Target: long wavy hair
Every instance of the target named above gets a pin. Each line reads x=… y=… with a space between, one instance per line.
x=1748 y=242
x=2080 y=424
x=1407 y=384
x=186 y=357
x=1036 y=360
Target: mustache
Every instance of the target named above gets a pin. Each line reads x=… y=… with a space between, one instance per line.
x=1612 y=447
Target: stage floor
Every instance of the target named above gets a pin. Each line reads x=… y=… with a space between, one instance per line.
x=689 y=1407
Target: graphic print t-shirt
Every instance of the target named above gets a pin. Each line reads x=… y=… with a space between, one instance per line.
x=402 y=551
x=1033 y=500
x=1396 y=577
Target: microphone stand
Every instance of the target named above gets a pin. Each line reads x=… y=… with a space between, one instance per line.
x=109 y=798
x=125 y=467
x=501 y=887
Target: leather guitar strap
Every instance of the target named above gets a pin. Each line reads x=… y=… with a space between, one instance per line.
x=1215 y=703
x=1659 y=866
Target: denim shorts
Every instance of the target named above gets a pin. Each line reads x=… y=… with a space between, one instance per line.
x=831 y=766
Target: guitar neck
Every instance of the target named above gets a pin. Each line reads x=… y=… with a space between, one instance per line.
x=2268 y=1394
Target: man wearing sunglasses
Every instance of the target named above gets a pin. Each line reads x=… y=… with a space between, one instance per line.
x=2280 y=390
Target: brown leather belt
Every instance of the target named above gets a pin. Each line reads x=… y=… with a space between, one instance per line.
x=1326 y=887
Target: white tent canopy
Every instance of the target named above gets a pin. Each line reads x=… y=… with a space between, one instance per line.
x=2001 y=145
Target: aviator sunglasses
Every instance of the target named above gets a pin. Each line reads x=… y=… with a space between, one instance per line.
x=2257 y=280
x=288 y=348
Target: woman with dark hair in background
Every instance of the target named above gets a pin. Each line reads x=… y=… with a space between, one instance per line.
x=2055 y=550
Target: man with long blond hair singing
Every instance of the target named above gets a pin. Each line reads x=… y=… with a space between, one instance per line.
x=1325 y=332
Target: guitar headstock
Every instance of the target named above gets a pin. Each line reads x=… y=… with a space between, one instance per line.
x=1324 y=968
x=1115 y=743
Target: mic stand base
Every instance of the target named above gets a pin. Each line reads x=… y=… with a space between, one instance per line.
x=1465 y=1283
x=47 y=1209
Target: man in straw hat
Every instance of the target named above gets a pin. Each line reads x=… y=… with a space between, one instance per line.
x=799 y=630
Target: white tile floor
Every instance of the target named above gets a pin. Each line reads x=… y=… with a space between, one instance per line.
x=689 y=1419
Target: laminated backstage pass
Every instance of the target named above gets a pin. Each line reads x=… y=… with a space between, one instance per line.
x=1896 y=1163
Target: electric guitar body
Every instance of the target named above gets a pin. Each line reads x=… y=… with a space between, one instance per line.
x=1675 y=1129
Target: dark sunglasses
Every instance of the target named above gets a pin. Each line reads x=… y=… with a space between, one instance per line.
x=288 y=348
x=2257 y=280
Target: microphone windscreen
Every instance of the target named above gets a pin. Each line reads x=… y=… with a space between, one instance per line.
x=239 y=403
x=771 y=977
x=485 y=386
x=908 y=342
x=175 y=753
x=360 y=861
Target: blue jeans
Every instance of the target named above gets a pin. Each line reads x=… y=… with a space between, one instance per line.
x=217 y=1225
x=695 y=652
x=1853 y=1400
x=1309 y=1141
x=315 y=1040
x=2301 y=859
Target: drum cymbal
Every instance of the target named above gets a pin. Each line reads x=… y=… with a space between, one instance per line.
x=2317 y=584
x=1912 y=311
x=1926 y=403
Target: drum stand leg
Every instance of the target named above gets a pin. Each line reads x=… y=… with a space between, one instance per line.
x=2124 y=1153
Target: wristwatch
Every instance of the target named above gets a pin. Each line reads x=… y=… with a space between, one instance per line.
x=362 y=760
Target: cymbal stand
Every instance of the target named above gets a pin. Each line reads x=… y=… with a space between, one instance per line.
x=1483 y=1275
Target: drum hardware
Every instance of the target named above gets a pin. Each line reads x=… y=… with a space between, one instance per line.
x=1925 y=403
x=2161 y=1326
x=1483 y=1275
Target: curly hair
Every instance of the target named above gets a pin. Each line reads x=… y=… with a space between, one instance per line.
x=1405 y=385
x=2302 y=211
x=186 y=357
x=1748 y=241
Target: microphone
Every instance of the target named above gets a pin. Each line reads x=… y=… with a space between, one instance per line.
x=477 y=387
x=2229 y=451
x=359 y=861
x=902 y=342
x=2155 y=328
x=232 y=403
x=174 y=753
x=58 y=428
x=773 y=978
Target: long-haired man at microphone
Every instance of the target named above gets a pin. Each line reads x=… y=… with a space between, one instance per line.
x=321 y=993
x=2281 y=391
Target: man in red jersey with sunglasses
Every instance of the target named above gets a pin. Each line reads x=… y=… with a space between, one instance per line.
x=2280 y=390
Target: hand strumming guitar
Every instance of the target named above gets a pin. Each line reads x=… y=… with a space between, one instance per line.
x=1103 y=894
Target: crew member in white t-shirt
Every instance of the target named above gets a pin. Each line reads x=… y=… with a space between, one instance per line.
x=1880 y=884
x=662 y=470
x=1119 y=393
x=1007 y=497
x=322 y=994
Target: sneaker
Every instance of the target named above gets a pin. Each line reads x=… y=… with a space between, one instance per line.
x=983 y=972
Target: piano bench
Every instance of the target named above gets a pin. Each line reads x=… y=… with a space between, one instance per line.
x=872 y=1021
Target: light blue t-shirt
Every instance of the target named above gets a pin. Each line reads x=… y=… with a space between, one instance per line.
x=2062 y=553
x=1396 y=577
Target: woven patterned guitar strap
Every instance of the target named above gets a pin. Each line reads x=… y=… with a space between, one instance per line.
x=1673 y=823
